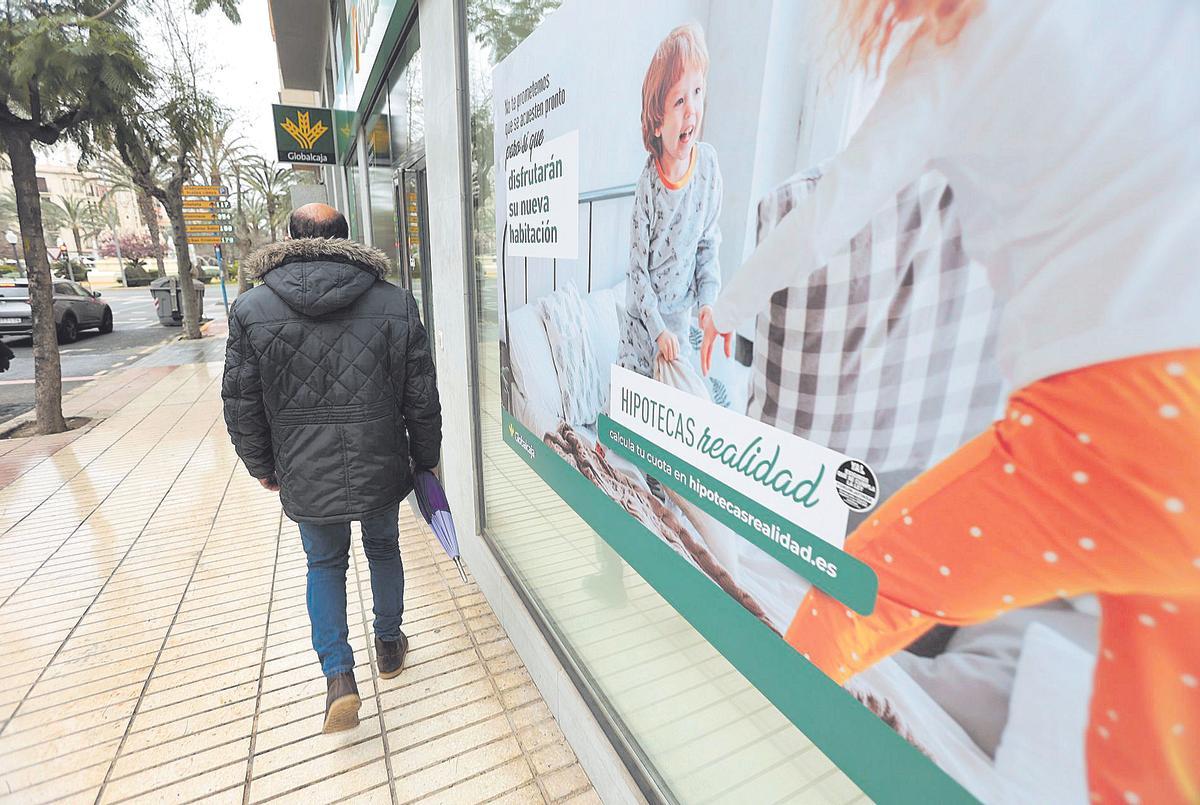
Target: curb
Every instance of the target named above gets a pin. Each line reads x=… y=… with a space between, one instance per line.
x=31 y=414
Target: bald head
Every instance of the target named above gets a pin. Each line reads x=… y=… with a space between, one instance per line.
x=317 y=221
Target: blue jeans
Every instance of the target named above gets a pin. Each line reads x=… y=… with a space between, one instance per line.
x=328 y=550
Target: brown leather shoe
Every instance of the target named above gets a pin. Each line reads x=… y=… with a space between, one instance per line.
x=390 y=654
x=341 y=703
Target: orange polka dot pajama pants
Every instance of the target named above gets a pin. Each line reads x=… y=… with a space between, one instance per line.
x=1090 y=484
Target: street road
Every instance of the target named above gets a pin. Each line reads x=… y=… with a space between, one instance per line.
x=136 y=331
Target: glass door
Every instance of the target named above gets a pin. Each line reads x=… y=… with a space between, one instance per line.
x=413 y=202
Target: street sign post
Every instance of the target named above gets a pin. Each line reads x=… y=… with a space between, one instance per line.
x=205 y=224
x=207 y=229
x=209 y=240
x=204 y=190
x=220 y=250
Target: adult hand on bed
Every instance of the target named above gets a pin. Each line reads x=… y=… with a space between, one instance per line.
x=710 y=337
x=668 y=346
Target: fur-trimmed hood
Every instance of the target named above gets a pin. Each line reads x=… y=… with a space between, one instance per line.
x=308 y=250
x=316 y=276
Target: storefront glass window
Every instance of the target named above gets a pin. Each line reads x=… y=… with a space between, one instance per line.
x=406 y=104
x=352 y=214
x=407 y=128
x=703 y=732
x=379 y=182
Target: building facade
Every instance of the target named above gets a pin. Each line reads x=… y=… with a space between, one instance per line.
x=653 y=711
x=662 y=661
x=61 y=183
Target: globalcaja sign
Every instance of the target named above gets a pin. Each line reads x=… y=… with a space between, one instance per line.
x=304 y=134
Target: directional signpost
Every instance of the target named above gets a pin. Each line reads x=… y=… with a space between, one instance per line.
x=208 y=222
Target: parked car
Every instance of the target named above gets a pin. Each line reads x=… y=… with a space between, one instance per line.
x=75 y=309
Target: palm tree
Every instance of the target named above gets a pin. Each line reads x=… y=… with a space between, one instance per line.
x=68 y=70
x=8 y=209
x=220 y=153
x=52 y=216
x=116 y=175
x=273 y=184
x=78 y=213
x=252 y=221
x=224 y=156
x=241 y=169
x=110 y=219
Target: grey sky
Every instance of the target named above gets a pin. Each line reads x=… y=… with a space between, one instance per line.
x=242 y=70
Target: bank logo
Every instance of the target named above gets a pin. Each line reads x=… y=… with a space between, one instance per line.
x=304 y=132
x=521 y=442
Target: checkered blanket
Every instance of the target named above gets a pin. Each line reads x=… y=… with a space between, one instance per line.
x=887 y=353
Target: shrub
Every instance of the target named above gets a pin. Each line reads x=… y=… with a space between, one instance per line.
x=136 y=273
x=78 y=268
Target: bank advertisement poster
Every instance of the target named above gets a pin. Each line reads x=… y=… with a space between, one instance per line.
x=826 y=471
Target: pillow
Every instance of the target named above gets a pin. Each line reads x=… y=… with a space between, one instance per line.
x=601 y=308
x=569 y=332
x=618 y=299
x=1041 y=754
x=536 y=398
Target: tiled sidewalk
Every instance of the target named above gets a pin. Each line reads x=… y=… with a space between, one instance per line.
x=156 y=643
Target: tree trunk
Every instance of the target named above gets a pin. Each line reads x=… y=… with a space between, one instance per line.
x=47 y=369
x=271 y=216
x=78 y=254
x=243 y=277
x=183 y=264
x=150 y=218
x=120 y=259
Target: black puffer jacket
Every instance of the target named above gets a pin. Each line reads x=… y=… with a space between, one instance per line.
x=329 y=383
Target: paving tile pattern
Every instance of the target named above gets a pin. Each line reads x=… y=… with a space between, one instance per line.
x=156 y=641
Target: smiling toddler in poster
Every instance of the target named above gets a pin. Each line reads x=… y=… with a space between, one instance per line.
x=673 y=266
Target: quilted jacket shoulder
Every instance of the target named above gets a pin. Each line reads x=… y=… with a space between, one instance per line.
x=329 y=383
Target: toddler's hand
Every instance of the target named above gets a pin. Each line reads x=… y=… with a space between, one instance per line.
x=710 y=337
x=668 y=346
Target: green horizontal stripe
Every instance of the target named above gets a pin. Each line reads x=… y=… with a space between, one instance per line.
x=884 y=765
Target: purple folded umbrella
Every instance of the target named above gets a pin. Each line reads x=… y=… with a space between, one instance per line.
x=431 y=500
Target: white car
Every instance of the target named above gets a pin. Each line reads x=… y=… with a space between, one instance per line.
x=75 y=309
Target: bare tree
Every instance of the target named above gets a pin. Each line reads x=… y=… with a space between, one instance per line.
x=166 y=129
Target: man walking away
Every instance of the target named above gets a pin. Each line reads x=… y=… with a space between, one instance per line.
x=331 y=400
